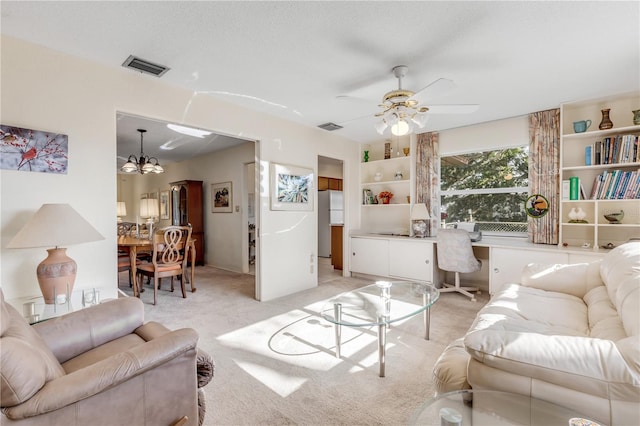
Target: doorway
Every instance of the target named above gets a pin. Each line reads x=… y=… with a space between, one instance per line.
x=330 y=217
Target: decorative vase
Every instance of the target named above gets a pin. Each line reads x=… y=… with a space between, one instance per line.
x=606 y=122
x=56 y=276
x=385 y=200
x=377 y=177
x=636 y=117
x=366 y=156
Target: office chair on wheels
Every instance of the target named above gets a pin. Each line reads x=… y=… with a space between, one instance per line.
x=455 y=254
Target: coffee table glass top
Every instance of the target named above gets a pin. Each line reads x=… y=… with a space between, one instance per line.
x=495 y=408
x=381 y=303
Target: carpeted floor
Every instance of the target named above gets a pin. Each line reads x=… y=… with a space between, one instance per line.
x=275 y=362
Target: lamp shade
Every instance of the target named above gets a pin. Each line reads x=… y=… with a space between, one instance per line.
x=419 y=212
x=121 y=208
x=55 y=225
x=149 y=207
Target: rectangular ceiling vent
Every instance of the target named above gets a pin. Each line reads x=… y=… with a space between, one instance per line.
x=144 y=66
x=330 y=126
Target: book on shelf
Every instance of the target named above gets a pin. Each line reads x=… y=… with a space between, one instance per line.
x=566 y=188
x=616 y=185
x=588 y=161
x=597 y=159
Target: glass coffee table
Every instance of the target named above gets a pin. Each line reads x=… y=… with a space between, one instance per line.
x=380 y=304
x=495 y=408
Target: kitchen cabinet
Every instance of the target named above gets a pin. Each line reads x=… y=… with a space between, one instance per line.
x=336 y=247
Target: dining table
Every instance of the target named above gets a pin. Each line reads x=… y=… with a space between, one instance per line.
x=134 y=244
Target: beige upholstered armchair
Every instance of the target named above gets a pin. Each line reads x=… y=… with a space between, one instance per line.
x=99 y=366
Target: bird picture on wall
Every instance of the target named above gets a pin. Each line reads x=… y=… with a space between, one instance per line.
x=33 y=150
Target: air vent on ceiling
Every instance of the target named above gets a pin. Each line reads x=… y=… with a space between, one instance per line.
x=144 y=66
x=330 y=126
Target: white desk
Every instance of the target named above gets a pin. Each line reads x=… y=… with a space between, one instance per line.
x=503 y=258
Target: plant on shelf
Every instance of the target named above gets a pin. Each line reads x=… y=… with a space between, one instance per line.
x=385 y=197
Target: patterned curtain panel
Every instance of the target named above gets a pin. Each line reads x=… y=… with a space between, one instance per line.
x=428 y=177
x=544 y=173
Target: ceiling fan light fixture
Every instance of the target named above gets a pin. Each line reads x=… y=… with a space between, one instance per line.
x=400 y=128
x=189 y=131
x=420 y=119
x=381 y=126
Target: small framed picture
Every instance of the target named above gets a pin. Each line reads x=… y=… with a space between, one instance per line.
x=291 y=188
x=221 y=197
x=164 y=204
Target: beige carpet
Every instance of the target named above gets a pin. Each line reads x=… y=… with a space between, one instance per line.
x=275 y=362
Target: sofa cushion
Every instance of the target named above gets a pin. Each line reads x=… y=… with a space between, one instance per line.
x=628 y=304
x=576 y=279
x=604 y=321
x=619 y=264
x=531 y=310
x=450 y=370
x=22 y=346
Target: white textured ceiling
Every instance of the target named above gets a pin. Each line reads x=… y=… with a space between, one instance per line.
x=294 y=59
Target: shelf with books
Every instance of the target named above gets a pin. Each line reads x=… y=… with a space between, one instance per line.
x=606 y=166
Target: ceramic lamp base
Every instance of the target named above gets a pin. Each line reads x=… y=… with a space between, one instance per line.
x=56 y=275
x=419 y=228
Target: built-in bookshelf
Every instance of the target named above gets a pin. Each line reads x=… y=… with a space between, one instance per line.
x=606 y=166
x=392 y=174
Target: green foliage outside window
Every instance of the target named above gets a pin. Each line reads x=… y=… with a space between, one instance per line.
x=472 y=173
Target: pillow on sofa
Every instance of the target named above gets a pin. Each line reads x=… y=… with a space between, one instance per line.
x=22 y=346
x=619 y=264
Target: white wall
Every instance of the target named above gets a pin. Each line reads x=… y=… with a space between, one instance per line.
x=46 y=90
x=497 y=134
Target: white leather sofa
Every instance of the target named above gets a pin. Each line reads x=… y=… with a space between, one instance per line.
x=567 y=334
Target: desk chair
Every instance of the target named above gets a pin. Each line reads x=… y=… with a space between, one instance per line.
x=455 y=254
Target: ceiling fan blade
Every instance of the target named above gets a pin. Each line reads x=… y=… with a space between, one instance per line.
x=453 y=109
x=434 y=89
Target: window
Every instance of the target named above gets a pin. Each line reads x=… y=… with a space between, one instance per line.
x=488 y=188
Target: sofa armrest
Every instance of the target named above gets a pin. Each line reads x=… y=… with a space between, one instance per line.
x=575 y=279
x=77 y=332
x=106 y=374
x=596 y=366
x=205 y=365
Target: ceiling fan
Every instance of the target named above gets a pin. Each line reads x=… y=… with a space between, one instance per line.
x=403 y=109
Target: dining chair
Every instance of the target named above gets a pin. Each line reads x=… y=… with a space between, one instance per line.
x=168 y=258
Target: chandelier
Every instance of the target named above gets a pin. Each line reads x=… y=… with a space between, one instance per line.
x=144 y=164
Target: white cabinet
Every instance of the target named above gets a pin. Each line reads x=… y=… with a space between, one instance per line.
x=370 y=256
x=617 y=165
x=506 y=264
x=411 y=259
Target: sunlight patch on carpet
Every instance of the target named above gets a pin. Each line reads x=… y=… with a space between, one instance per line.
x=282 y=384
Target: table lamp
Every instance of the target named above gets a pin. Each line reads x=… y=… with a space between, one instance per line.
x=149 y=209
x=419 y=216
x=55 y=225
x=121 y=210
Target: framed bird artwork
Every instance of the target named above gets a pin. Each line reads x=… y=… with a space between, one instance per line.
x=33 y=150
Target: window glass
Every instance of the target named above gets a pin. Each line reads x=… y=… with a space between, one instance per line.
x=488 y=188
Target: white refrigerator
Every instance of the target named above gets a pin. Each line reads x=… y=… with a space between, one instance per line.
x=330 y=212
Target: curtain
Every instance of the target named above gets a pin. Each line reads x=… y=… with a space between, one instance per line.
x=544 y=173
x=428 y=177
